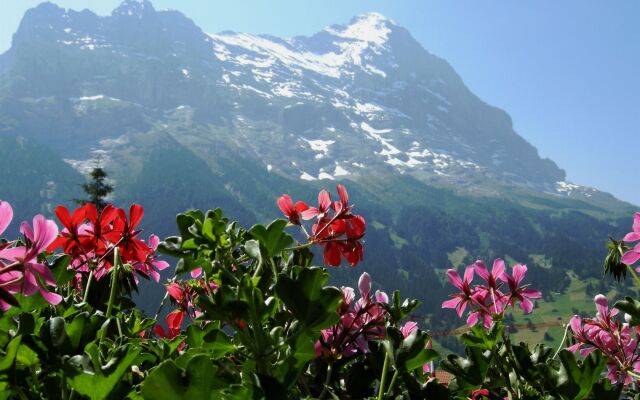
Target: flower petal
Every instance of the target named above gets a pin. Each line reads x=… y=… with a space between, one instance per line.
x=50 y=297
x=518 y=273
x=381 y=297
x=636 y=222
x=498 y=267
x=331 y=255
x=342 y=193
x=526 y=305
x=452 y=303
x=454 y=278
x=468 y=274
x=632 y=237
x=324 y=200
x=481 y=269
x=6 y=215
x=408 y=328
x=364 y=285
x=630 y=257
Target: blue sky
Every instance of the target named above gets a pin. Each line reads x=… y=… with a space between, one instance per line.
x=566 y=71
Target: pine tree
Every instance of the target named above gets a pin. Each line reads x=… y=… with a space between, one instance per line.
x=97 y=189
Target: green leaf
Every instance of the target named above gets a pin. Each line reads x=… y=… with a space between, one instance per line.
x=89 y=377
x=197 y=381
x=26 y=324
x=27 y=357
x=302 y=350
x=273 y=240
x=575 y=380
x=53 y=332
x=435 y=391
x=413 y=353
x=60 y=270
x=631 y=307
x=470 y=371
x=27 y=303
x=252 y=248
x=188 y=263
x=604 y=390
x=10 y=353
x=479 y=337
x=399 y=311
x=210 y=338
x=423 y=357
x=77 y=329
x=300 y=257
x=186 y=221
x=310 y=302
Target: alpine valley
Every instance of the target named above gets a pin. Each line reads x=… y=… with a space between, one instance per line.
x=181 y=118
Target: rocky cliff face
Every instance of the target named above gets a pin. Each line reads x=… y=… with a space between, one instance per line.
x=358 y=99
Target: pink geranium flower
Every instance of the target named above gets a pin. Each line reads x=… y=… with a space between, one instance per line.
x=518 y=293
x=465 y=296
x=488 y=301
x=614 y=339
x=408 y=328
x=34 y=275
x=151 y=266
x=360 y=322
x=632 y=256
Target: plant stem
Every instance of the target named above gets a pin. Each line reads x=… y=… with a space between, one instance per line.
x=164 y=299
x=564 y=338
x=299 y=247
x=327 y=381
x=634 y=275
x=393 y=381
x=258 y=270
x=119 y=327
x=274 y=269
x=86 y=289
x=114 y=281
x=635 y=375
x=383 y=378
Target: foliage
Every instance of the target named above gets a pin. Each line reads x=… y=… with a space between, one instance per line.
x=97 y=189
x=253 y=318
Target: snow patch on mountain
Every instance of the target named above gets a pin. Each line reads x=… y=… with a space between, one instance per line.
x=371 y=27
x=319 y=145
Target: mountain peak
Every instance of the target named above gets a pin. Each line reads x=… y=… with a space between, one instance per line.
x=131 y=8
x=371 y=27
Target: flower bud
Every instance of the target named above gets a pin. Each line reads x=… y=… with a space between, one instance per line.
x=364 y=284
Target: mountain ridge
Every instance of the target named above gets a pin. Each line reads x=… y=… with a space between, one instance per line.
x=390 y=126
x=181 y=118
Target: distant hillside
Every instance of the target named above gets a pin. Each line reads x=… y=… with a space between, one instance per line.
x=181 y=118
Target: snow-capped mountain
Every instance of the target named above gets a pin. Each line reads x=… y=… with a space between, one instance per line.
x=185 y=119
x=353 y=100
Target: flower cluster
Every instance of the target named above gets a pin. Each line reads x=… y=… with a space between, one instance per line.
x=632 y=256
x=615 y=339
x=90 y=237
x=183 y=294
x=360 y=322
x=20 y=269
x=488 y=301
x=335 y=228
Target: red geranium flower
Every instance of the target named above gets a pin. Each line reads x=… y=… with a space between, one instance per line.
x=291 y=211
